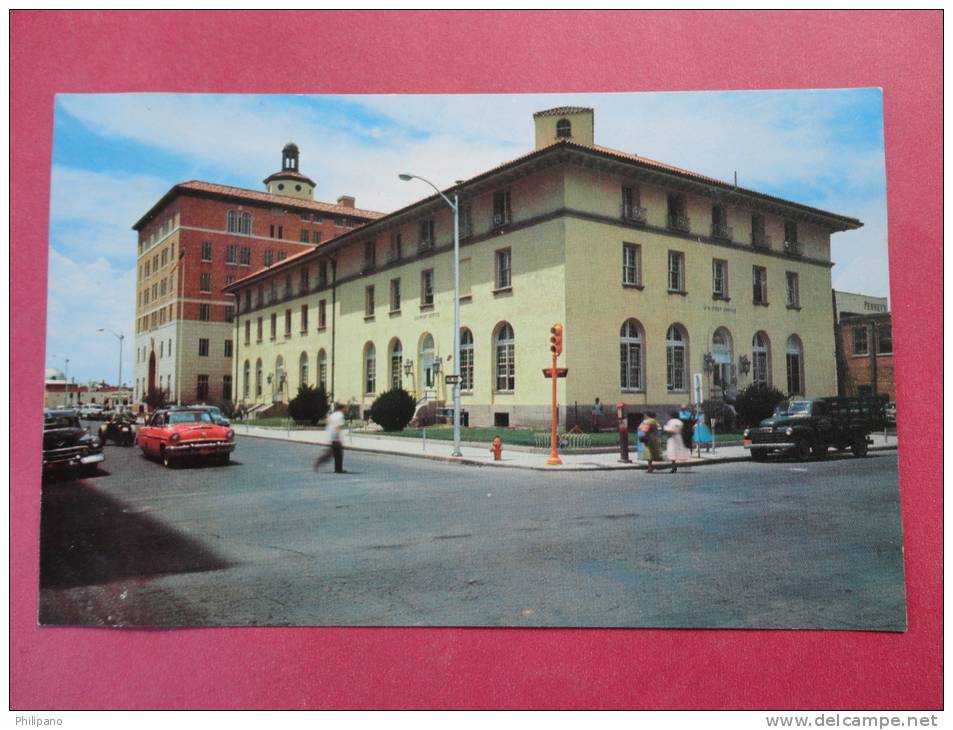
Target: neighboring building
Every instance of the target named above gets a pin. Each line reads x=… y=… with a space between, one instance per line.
x=57 y=393
x=656 y=273
x=850 y=303
x=199 y=238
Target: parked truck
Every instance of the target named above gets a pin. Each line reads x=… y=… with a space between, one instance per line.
x=808 y=427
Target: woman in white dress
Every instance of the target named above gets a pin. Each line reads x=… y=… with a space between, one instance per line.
x=675 y=448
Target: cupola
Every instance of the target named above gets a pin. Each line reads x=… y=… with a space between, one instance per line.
x=289 y=181
x=569 y=123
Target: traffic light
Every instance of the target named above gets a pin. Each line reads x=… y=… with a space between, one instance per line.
x=556 y=339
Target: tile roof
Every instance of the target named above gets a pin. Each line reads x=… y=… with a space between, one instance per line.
x=561 y=110
x=285 y=200
x=288 y=175
x=655 y=163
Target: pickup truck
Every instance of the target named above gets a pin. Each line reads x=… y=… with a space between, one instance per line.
x=808 y=427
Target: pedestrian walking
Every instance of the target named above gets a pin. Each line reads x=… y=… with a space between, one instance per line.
x=333 y=432
x=649 y=437
x=702 y=434
x=675 y=448
x=596 y=415
x=687 y=416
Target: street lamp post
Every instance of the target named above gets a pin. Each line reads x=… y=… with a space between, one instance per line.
x=455 y=207
x=119 y=336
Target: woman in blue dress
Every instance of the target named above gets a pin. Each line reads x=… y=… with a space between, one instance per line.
x=702 y=435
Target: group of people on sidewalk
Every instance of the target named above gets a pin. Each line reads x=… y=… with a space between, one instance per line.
x=686 y=429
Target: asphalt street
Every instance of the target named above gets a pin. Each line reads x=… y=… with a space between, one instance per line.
x=399 y=541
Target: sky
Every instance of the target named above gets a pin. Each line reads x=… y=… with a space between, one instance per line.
x=115 y=155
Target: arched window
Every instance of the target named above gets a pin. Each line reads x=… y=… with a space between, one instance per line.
x=676 y=358
x=630 y=356
x=427 y=377
x=396 y=363
x=246 y=379
x=303 y=369
x=760 y=359
x=564 y=128
x=322 y=369
x=370 y=369
x=258 y=378
x=246 y=223
x=231 y=224
x=505 y=358
x=721 y=351
x=794 y=356
x=466 y=359
x=279 y=383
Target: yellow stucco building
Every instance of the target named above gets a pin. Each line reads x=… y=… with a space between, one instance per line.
x=656 y=273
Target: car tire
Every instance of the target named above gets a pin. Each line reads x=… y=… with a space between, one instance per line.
x=858 y=446
x=759 y=454
x=819 y=451
x=223 y=459
x=167 y=461
x=802 y=449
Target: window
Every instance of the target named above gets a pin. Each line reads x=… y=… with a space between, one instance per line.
x=231 y=254
x=676 y=359
x=859 y=338
x=232 y=224
x=323 y=273
x=564 y=128
x=719 y=223
x=247 y=331
x=631 y=210
x=790 y=231
x=884 y=339
x=269 y=257
x=719 y=279
x=760 y=359
x=165 y=256
x=631 y=264
x=274 y=325
x=466 y=359
x=322 y=369
x=205 y=312
x=322 y=314
x=505 y=359
x=759 y=280
x=259 y=330
x=369 y=301
x=246 y=379
x=466 y=221
x=305 y=282
x=395 y=295
x=273 y=290
x=229 y=279
x=370 y=374
x=303 y=369
x=504 y=268
x=315 y=237
x=792 y=294
x=226 y=387
x=228 y=348
x=161 y=349
x=426 y=288
x=370 y=254
x=148 y=264
x=396 y=363
x=201 y=388
x=501 y=208
x=282 y=255
x=794 y=356
x=245 y=256
x=305 y=236
x=281 y=231
x=247 y=300
x=676 y=271
x=206 y=250
x=287 y=323
x=722 y=352
x=630 y=356
x=203 y=347
x=758 y=237
x=677 y=215
x=205 y=282
x=426 y=239
x=246 y=224
x=162 y=287
x=155 y=292
x=396 y=246
x=258 y=378
x=288 y=285
x=304 y=318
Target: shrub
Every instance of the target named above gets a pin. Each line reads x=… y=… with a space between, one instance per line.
x=757 y=402
x=393 y=410
x=310 y=405
x=156 y=399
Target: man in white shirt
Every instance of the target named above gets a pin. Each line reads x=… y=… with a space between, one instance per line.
x=333 y=432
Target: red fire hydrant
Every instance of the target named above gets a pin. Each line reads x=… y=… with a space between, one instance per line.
x=496 y=448
x=623 y=433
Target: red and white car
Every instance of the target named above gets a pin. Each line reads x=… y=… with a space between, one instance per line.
x=175 y=434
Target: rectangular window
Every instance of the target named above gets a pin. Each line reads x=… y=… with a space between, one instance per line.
x=426 y=239
x=273 y=291
x=287 y=323
x=148 y=264
x=426 y=288
x=259 y=331
x=162 y=288
x=248 y=331
x=203 y=347
x=247 y=299
x=631 y=208
x=859 y=337
x=165 y=254
x=281 y=231
x=884 y=339
x=676 y=271
x=231 y=254
x=323 y=273
x=322 y=314
x=305 y=238
x=245 y=259
x=466 y=221
x=201 y=388
x=304 y=318
x=155 y=291
x=205 y=312
x=792 y=245
x=369 y=301
x=501 y=208
x=758 y=236
x=793 y=295
x=677 y=213
x=206 y=250
x=370 y=254
x=505 y=365
x=504 y=268
x=305 y=283
x=269 y=257
x=316 y=237
x=274 y=325
x=228 y=348
x=719 y=279
x=288 y=285
x=395 y=295
x=631 y=264
x=205 y=282
x=226 y=387
x=759 y=280
x=271 y=231
x=229 y=314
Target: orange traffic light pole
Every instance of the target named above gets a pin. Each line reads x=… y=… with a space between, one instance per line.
x=556 y=347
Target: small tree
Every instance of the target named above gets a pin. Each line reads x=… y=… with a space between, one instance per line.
x=757 y=402
x=156 y=398
x=393 y=410
x=310 y=405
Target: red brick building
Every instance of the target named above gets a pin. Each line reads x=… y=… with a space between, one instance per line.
x=200 y=237
x=866 y=351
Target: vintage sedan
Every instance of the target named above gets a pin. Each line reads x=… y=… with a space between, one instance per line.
x=175 y=434
x=67 y=445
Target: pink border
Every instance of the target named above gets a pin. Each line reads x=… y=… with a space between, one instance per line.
x=490 y=52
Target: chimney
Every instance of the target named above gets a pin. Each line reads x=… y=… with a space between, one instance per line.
x=346 y=201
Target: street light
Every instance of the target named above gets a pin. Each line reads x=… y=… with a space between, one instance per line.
x=455 y=207
x=119 y=336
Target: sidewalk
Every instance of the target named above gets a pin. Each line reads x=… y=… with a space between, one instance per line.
x=519 y=457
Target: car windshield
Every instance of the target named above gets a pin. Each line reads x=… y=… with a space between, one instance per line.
x=51 y=422
x=793 y=408
x=189 y=417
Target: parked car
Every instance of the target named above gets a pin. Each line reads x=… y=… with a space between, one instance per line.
x=67 y=445
x=807 y=427
x=175 y=434
x=890 y=412
x=120 y=429
x=90 y=411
